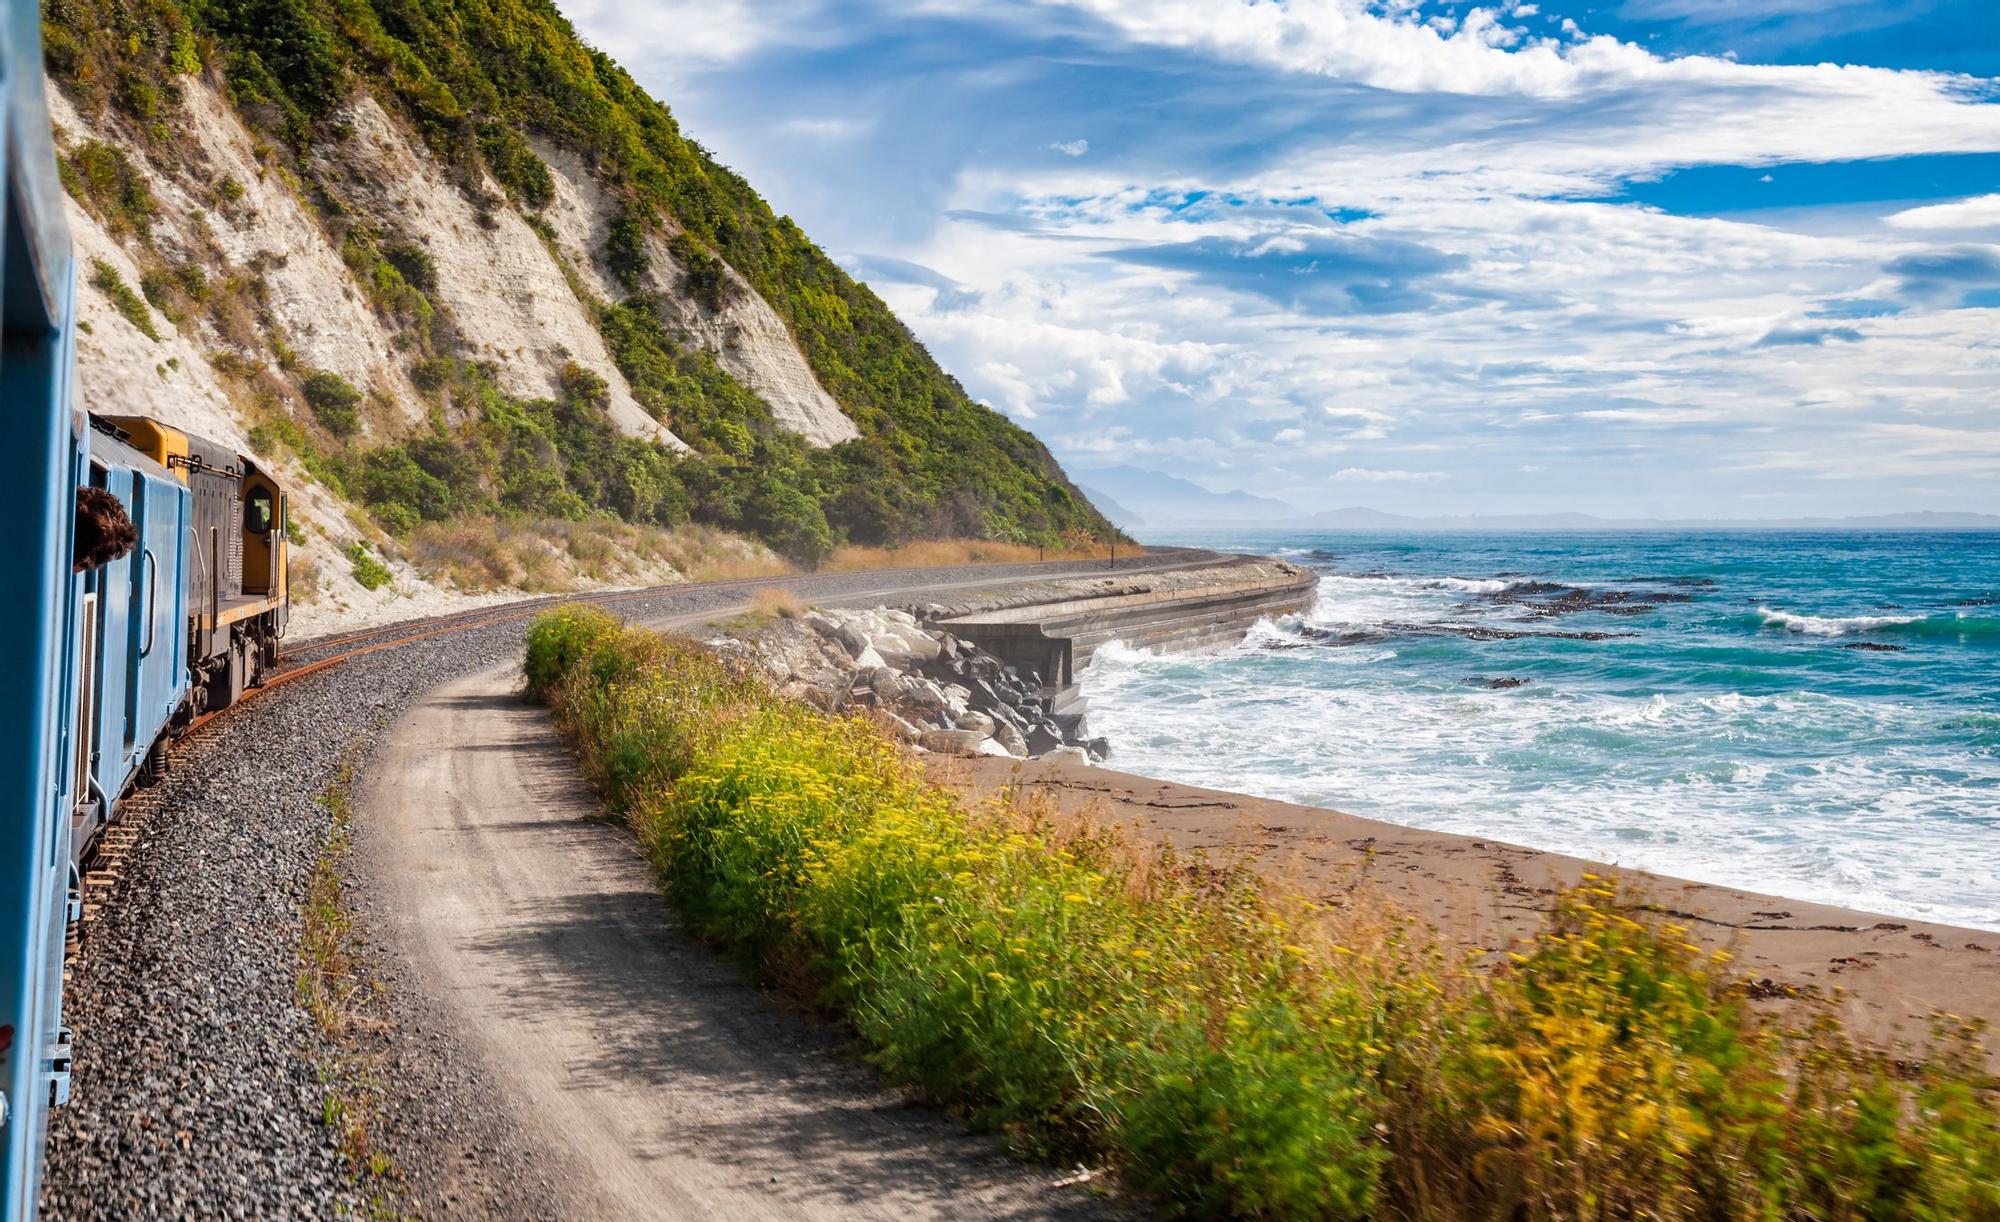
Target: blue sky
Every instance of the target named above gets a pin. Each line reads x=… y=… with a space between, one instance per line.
x=1663 y=257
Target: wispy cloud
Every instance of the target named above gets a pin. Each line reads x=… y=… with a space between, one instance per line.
x=1980 y=212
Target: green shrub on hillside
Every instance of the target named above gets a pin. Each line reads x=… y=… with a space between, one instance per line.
x=369 y=571
x=103 y=179
x=515 y=165
x=334 y=400
x=706 y=281
x=106 y=280
x=1229 y=1048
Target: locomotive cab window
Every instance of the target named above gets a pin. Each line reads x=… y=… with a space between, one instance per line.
x=257 y=511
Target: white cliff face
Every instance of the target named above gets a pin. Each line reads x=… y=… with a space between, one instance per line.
x=507 y=294
x=580 y=214
x=122 y=371
x=326 y=319
x=312 y=298
x=755 y=347
x=746 y=336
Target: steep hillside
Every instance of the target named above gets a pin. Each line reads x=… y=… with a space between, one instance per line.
x=456 y=268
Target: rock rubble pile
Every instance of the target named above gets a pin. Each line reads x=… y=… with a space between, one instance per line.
x=940 y=693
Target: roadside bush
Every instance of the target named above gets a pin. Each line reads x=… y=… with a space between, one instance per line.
x=1230 y=1048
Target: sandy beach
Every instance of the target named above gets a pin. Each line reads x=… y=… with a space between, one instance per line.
x=1885 y=976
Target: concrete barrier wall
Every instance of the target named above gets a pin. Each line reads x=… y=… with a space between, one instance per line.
x=1054 y=638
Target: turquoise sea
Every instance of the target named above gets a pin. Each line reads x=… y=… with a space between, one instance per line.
x=1813 y=715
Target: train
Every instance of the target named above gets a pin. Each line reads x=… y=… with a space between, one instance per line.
x=107 y=664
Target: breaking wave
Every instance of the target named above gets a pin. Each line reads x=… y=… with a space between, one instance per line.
x=1958 y=625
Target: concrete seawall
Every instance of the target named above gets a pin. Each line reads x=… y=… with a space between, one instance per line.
x=1051 y=630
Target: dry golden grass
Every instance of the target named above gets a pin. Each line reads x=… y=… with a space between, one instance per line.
x=778 y=603
x=302 y=577
x=946 y=553
x=552 y=556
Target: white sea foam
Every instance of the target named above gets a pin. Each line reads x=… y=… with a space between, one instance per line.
x=1689 y=784
x=1827 y=625
x=1117 y=653
x=1346 y=602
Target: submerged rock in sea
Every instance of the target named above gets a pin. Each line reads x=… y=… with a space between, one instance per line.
x=1873 y=647
x=1502 y=683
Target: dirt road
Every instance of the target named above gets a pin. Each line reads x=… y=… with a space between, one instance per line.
x=661 y=1083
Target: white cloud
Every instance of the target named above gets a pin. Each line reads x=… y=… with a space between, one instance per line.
x=1072 y=148
x=1979 y=212
x=827 y=127
x=1391 y=476
x=1699 y=109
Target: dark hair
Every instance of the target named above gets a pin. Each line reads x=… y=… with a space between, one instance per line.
x=104 y=532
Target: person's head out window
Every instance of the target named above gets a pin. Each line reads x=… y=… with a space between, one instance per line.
x=257 y=511
x=104 y=531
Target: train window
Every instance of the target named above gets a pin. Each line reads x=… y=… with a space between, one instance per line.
x=257 y=511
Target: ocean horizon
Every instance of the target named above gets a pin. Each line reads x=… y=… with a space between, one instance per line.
x=1809 y=714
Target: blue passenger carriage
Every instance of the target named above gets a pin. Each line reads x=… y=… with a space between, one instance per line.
x=104 y=665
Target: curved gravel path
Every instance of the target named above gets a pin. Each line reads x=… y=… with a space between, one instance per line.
x=198 y=1091
x=659 y=1081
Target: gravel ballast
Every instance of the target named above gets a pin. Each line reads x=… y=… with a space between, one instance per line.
x=198 y=1087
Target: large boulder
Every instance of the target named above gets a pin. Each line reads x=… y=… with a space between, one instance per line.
x=888 y=684
x=920 y=695
x=1010 y=738
x=954 y=742
x=904 y=647
x=974 y=721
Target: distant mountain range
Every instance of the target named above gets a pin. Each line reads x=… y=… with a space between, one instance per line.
x=1137 y=499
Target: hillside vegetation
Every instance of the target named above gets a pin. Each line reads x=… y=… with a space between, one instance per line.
x=552 y=304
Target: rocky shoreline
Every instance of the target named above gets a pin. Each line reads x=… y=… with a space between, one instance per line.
x=939 y=693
